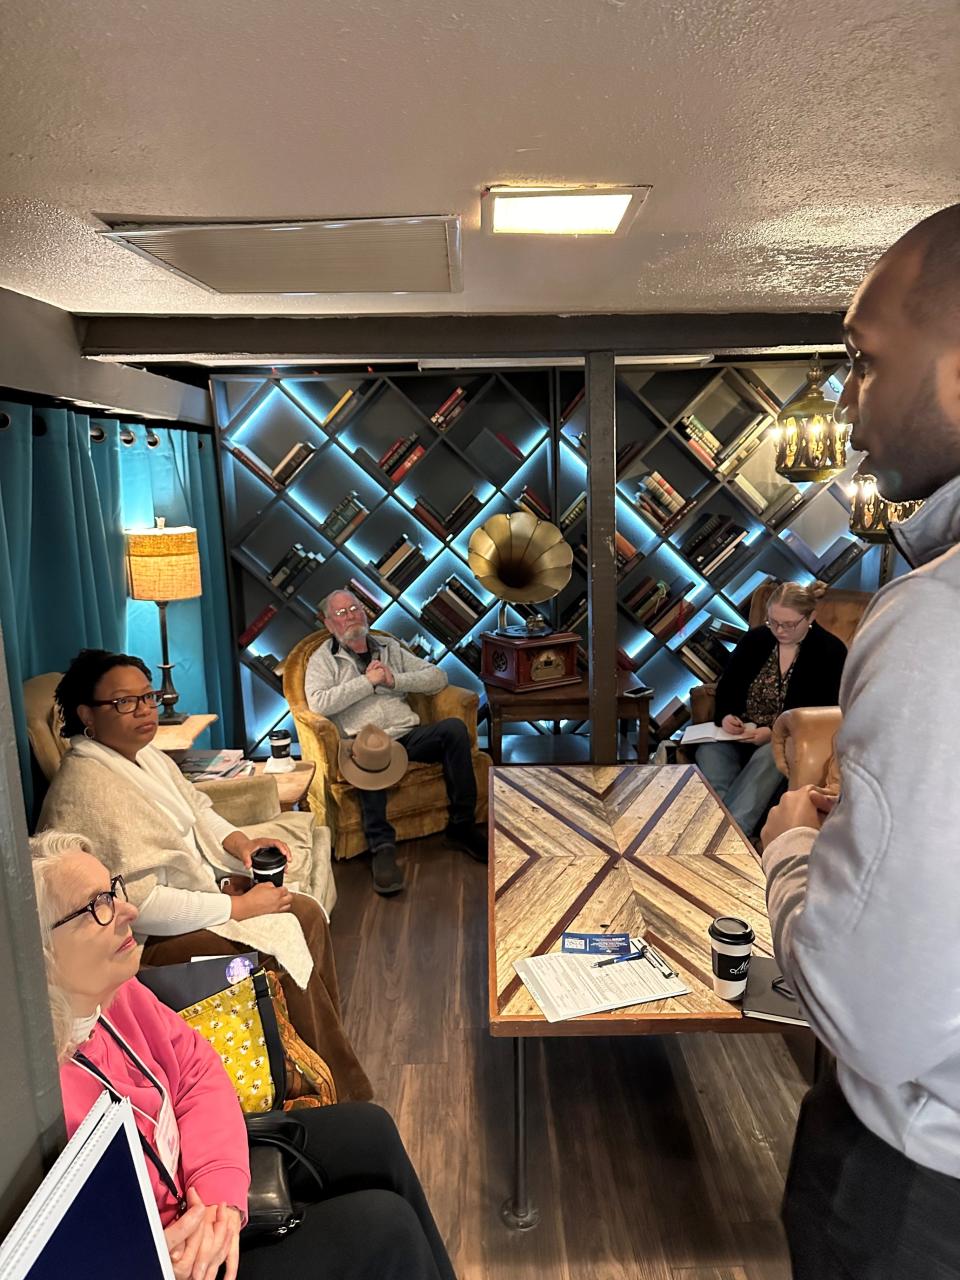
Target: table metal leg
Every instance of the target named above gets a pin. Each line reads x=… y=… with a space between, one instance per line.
x=517 y=1211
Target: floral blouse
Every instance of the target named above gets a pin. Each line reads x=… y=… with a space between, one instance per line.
x=766 y=694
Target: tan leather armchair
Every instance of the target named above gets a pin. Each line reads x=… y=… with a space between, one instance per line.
x=418 y=803
x=803 y=746
x=250 y=803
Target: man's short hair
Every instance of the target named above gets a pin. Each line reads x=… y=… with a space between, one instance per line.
x=933 y=300
x=323 y=608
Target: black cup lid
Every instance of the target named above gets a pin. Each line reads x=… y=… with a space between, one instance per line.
x=732 y=930
x=267 y=859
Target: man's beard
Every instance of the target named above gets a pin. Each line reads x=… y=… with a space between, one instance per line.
x=358 y=631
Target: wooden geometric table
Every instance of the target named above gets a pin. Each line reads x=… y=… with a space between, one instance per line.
x=292 y=786
x=619 y=849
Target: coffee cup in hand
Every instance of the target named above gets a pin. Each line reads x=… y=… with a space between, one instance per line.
x=268 y=865
x=732 y=944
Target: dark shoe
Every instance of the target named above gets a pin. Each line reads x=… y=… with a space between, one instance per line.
x=387 y=876
x=470 y=838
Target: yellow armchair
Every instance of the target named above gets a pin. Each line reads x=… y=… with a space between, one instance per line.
x=417 y=805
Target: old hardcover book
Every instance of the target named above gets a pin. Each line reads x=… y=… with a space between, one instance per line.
x=257 y=625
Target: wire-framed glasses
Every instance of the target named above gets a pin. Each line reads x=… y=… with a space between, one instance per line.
x=787 y=627
x=103 y=907
x=344 y=613
x=129 y=703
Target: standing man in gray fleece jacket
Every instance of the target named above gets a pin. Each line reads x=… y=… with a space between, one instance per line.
x=357 y=679
x=864 y=901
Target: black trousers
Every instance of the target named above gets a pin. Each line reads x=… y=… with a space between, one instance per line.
x=375 y=1223
x=857 y=1209
x=446 y=743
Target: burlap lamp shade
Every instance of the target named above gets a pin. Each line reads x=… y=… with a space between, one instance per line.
x=163 y=564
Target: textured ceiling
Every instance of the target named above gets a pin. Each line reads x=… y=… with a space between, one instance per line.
x=786 y=144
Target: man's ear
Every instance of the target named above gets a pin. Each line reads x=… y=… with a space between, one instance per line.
x=948 y=383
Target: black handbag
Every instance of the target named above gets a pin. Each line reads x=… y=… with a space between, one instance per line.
x=277 y=1142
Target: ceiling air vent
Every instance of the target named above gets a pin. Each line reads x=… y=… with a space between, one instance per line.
x=359 y=255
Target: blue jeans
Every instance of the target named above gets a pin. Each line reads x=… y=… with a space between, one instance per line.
x=745 y=778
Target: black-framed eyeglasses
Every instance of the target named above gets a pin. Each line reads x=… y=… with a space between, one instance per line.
x=129 y=703
x=103 y=907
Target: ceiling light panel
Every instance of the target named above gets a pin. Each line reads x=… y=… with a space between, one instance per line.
x=359 y=255
x=562 y=211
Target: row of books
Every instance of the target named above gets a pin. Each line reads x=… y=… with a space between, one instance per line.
x=576 y=509
x=372 y=606
x=402 y=561
x=402 y=455
x=293 y=569
x=270 y=667
x=446 y=526
x=705 y=655
x=452 y=610
x=829 y=565
x=531 y=501
x=451 y=409
x=293 y=462
x=711 y=540
x=658 y=500
x=344 y=518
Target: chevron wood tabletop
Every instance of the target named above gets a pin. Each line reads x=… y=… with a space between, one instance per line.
x=626 y=848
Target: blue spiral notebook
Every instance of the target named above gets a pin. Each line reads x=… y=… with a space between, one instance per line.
x=94 y=1214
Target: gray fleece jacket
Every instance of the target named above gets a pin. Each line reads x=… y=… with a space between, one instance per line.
x=866 y=913
x=335 y=687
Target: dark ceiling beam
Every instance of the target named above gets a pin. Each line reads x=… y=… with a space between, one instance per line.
x=138 y=338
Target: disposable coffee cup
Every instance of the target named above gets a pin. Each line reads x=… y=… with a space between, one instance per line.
x=280 y=744
x=268 y=866
x=732 y=944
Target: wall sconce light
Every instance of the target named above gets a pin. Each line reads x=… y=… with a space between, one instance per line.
x=870 y=514
x=811 y=443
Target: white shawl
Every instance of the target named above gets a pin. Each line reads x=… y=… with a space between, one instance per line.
x=102 y=795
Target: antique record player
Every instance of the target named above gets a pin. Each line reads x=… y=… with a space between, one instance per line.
x=523 y=560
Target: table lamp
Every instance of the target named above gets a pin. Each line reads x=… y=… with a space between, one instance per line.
x=163 y=565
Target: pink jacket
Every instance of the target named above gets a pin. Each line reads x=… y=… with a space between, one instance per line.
x=213 y=1141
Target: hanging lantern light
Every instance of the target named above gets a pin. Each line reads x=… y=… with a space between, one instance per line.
x=811 y=443
x=870 y=515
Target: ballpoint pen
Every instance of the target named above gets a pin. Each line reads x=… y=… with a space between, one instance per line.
x=634 y=955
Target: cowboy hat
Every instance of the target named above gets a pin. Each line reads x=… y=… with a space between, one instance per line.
x=372 y=760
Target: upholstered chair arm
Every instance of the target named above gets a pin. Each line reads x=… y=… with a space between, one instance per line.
x=702 y=703
x=803 y=744
x=319 y=740
x=450 y=703
x=244 y=801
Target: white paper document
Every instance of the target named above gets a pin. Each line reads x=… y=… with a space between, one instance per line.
x=709 y=732
x=567 y=985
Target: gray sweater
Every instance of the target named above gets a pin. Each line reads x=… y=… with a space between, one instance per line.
x=866 y=913
x=336 y=688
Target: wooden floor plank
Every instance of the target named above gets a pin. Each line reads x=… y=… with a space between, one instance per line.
x=651 y=1158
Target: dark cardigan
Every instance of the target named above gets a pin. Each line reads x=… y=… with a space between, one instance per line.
x=814 y=681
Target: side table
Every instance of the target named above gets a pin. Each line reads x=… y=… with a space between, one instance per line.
x=565 y=702
x=177 y=739
x=293 y=785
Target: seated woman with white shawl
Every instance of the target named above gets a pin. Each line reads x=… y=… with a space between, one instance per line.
x=163 y=836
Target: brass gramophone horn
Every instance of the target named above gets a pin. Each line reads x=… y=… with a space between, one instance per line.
x=520 y=560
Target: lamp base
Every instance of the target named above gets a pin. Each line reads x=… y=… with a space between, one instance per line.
x=169 y=716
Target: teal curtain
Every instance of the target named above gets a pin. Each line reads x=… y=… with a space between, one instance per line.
x=172 y=474
x=65 y=499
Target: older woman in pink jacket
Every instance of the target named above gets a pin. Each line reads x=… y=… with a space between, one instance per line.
x=113 y=1033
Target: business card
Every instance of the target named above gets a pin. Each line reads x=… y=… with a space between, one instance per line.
x=597 y=944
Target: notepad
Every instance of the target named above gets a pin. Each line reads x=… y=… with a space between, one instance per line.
x=566 y=985
x=761 y=1000
x=709 y=732
x=94 y=1214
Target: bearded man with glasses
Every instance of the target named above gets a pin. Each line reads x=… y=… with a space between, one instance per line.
x=360 y=681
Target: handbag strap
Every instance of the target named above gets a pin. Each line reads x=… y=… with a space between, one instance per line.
x=258 y=1137
x=271 y=1036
